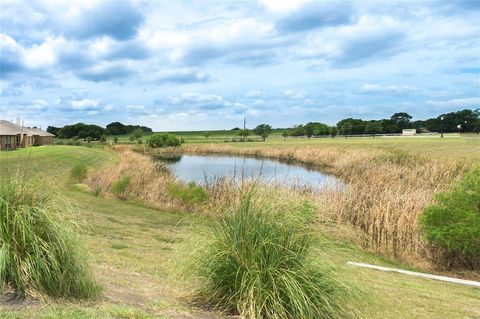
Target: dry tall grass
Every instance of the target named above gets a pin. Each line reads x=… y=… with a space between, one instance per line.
x=147 y=179
x=385 y=194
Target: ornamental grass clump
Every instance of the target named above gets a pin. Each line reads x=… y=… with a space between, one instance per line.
x=39 y=252
x=259 y=265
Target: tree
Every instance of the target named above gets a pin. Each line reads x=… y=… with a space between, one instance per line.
x=117 y=128
x=345 y=128
x=207 y=134
x=355 y=126
x=137 y=133
x=163 y=140
x=244 y=134
x=333 y=131
x=476 y=127
x=401 y=120
x=297 y=130
x=81 y=130
x=373 y=127
x=285 y=134
x=53 y=130
x=263 y=130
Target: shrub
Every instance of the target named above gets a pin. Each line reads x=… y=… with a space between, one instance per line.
x=78 y=172
x=453 y=221
x=189 y=194
x=258 y=266
x=163 y=140
x=38 y=251
x=119 y=187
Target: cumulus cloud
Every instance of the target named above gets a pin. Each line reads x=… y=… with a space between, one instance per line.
x=296 y=94
x=105 y=72
x=371 y=37
x=315 y=15
x=388 y=89
x=182 y=76
x=117 y=19
x=471 y=102
x=300 y=58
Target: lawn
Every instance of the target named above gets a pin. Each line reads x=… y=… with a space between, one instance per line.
x=139 y=254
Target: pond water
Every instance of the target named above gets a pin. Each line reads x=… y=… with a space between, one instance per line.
x=204 y=169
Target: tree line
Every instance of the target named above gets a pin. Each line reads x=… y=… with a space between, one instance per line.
x=460 y=121
x=95 y=132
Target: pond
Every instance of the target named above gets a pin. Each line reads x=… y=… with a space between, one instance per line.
x=203 y=169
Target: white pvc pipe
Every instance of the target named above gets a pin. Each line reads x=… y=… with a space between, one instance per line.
x=418 y=274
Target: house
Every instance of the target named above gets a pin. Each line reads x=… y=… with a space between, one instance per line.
x=13 y=136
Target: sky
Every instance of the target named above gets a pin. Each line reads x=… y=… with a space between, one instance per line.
x=205 y=65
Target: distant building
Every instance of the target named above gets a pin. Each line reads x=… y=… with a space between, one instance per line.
x=13 y=136
x=409 y=132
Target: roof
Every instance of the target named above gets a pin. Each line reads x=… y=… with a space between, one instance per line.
x=9 y=128
x=39 y=132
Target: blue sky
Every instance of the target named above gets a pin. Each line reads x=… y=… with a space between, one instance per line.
x=178 y=65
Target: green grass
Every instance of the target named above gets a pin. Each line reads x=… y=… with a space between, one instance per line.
x=260 y=266
x=143 y=280
x=38 y=251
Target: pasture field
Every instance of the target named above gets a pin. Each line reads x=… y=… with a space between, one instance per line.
x=141 y=256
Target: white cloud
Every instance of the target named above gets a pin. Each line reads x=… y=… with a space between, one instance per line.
x=388 y=89
x=85 y=104
x=282 y=6
x=296 y=94
x=462 y=102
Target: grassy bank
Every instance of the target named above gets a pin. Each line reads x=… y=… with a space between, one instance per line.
x=136 y=253
x=386 y=191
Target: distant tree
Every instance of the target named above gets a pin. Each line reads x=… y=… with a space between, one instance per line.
x=263 y=130
x=207 y=134
x=244 y=134
x=297 y=130
x=53 y=130
x=401 y=120
x=117 y=128
x=163 y=140
x=82 y=131
x=236 y=129
x=333 y=131
x=285 y=134
x=355 y=126
x=373 y=127
x=345 y=128
x=476 y=127
x=137 y=133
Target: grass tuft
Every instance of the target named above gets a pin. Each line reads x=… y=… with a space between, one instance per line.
x=259 y=266
x=38 y=251
x=78 y=172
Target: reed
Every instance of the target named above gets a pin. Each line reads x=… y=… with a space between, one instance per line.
x=385 y=193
